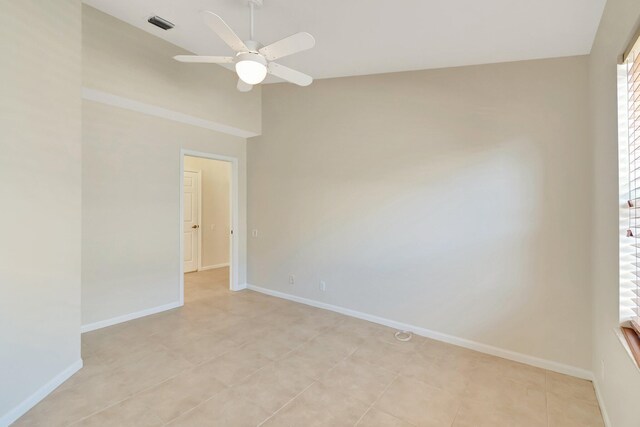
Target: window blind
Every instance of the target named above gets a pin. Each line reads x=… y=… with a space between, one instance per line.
x=631 y=292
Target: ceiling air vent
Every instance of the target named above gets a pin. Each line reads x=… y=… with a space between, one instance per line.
x=160 y=22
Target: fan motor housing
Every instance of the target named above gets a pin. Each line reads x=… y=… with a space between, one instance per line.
x=251 y=56
x=252 y=45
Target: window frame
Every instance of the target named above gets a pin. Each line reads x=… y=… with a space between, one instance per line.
x=629 y=195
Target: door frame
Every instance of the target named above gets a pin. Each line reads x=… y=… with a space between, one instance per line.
x=234 y=246
x=199 y=230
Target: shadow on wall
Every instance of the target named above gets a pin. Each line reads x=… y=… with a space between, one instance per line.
x=454 y=206
x=471 y=222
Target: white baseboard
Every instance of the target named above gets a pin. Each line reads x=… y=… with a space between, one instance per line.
x=603 y=409
x=126 y=317
x=462 y=342
x=213 y=267
x=40 y=394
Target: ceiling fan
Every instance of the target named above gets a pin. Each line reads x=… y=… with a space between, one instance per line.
x=252 y=60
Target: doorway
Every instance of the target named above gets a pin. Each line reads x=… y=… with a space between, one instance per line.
x=192 y=184
x=208 y=217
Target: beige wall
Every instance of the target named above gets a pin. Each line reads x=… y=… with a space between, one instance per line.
x=131 y=225
x=123 y=60
x=40 y=79
x=619 y=383
x=131 y=165
x=215 y=207
x=455 y=200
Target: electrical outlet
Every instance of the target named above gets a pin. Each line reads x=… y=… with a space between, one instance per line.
x=323 y=286
x=292 y=279
x=254 y=232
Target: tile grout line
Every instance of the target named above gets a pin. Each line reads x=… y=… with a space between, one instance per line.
x=397 y=375
x=132 y=395
x=378 y=398
x=289 y=401
x=239 y=346
x=546 y=396
x=306 y=388
x=169 y=379
x=306 y=336
x=456 y=416
x=198 y=405
x=243 y=378
x=148 y=388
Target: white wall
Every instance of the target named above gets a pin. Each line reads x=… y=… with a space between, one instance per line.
x=131 y=164
x=215 y=224
x=455 y=200
x=40 y=200
x=619 y=383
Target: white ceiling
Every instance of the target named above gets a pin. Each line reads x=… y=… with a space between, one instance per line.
x=356 y=37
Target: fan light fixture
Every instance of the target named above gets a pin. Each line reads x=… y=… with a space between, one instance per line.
x=253 y=61
x=251 y=68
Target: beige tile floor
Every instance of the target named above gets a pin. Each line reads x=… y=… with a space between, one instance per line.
x=246 y=359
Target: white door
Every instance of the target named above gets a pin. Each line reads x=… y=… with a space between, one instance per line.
x=191 y=221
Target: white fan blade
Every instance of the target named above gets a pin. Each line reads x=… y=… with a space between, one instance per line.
x=289 y=75
x=204 y=59
x=244 y=87
x=223 y=31
x=288 y=46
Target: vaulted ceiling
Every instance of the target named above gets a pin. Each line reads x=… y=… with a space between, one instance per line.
x=355 y=37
